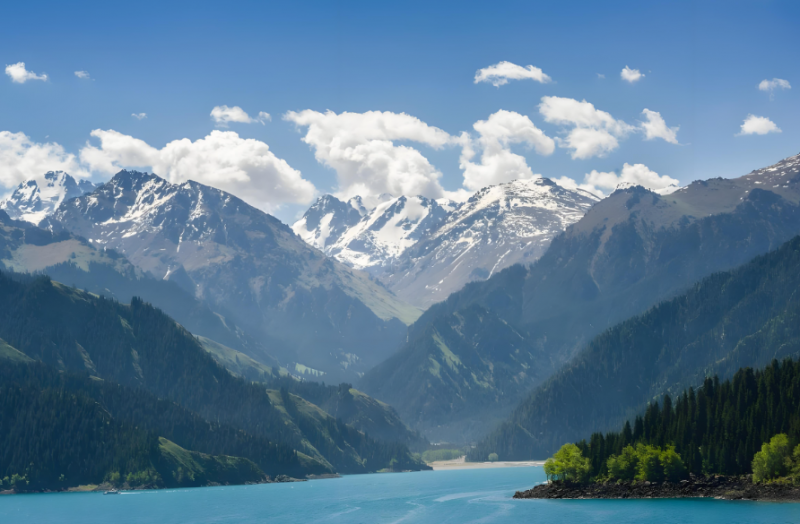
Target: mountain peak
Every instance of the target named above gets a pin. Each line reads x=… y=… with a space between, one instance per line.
x=33 y=199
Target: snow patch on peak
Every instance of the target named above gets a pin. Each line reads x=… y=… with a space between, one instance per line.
x=36 y=198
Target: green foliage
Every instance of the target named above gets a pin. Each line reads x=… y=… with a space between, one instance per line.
x=569 y=464
x=650 y=467
x=773 y=460
x=493 y=457
x=648 y=463
x=714 y=430
x=625 y=465
x=672 y=463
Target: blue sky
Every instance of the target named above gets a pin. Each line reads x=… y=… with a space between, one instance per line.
x=702 y=63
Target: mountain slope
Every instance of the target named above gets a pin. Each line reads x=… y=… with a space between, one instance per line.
x=63 y=430
x=373 y=417
x=630 y=251
x=74 y=261
x=140 y=347
x=311 y=311
x=32 y=201
x=741 y=318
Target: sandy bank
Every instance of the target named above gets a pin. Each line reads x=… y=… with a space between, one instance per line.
x=460 y=463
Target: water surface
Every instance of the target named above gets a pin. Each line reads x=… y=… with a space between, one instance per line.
x=481 y=495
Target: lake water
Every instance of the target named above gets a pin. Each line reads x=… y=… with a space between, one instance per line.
x=437 y=497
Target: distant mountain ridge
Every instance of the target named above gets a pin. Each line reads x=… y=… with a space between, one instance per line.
x=314 y=314
x=426 y=249
x=630 y=251
x=32 y=202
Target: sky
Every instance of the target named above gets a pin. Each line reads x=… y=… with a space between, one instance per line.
x=281 y=102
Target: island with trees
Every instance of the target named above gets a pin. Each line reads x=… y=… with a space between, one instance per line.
x=737 y=439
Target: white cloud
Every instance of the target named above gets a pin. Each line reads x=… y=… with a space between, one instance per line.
x=500 y=73
x=603 y=183
x=758 y=125
x=139 y=116
x=601 y=76
x=594 y=132
x=223 y=115
x=22 y=159
x=83 y=75
x=245 y=167
x=362 y=149
x=771 y=85
x=656 y=127
x=20 y=75
x=631 y=75
x=775 y=83
x=498 y=164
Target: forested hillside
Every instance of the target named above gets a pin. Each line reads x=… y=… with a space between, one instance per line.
x=744 y=317
x=127 y=409
x=139 y=346
x=716 y=429
x=355 y=408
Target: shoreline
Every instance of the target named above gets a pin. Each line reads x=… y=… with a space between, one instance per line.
x=716 y=486
x=460 y=463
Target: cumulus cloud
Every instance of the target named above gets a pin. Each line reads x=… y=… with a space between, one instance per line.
x=603 y=183
x=245 y=167
x=500 y=73
x=83 y=75
x=656 y=127
x=758 y=125
x=593 y=132
x=22 y=159
x=601 y=76
x=498 y=164
x=139 y=116
x=223 y=115
x=20 y=75
x=631 y=75
x=362 y=149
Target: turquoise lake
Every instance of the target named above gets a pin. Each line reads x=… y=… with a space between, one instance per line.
x=480 y=495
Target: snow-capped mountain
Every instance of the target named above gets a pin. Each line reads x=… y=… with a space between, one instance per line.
x=327 y=220
x=312 y=312
x=425 y=249
x=33 y=200
x=497 y=227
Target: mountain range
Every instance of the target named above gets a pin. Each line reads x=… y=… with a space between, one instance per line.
x=311 y=313
x=630 y=251
x=424 y=249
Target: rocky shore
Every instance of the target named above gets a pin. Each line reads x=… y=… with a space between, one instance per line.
x=717 y=486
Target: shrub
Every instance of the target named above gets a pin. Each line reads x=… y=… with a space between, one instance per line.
x=568 y=463
x=773 y=460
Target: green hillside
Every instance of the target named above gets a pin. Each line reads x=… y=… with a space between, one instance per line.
x=139 y=346
x=744 y=317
